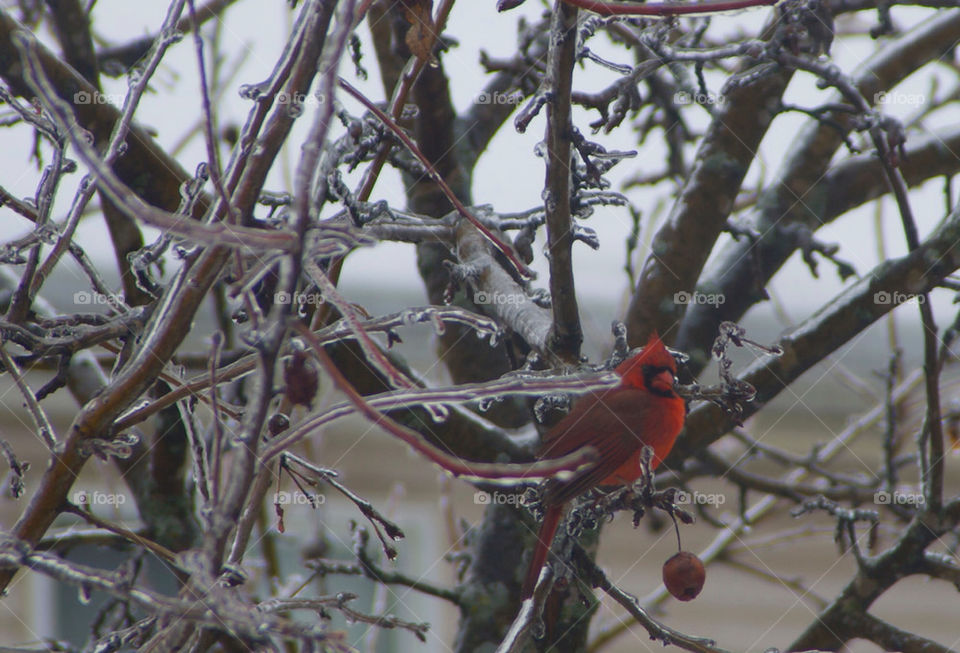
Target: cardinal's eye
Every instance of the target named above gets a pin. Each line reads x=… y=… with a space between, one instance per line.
x=650 y=371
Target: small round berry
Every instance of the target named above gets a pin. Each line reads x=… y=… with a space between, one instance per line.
x=684 y=575
x=277 y=424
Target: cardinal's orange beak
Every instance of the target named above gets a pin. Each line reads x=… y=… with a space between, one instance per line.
x=662 y=381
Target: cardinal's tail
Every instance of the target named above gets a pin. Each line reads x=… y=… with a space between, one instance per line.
x=544 y=539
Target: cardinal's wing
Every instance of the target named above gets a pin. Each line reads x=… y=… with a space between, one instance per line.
x=611 y=423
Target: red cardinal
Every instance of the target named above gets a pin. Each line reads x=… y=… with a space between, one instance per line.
x=642 y=410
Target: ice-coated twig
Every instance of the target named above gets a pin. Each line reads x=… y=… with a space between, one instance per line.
x=513 y=385
x=495 y=472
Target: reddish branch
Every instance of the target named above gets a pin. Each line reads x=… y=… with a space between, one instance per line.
x=373 y=354
x=453 y=465
x=399 y=99
x=503 y=248
x=463 y=393
x=193 y=387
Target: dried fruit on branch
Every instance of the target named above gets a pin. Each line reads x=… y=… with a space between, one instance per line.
x=684 y=575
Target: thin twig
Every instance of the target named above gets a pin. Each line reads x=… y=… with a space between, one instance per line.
x=664 y=9
x=566 y=334
x=44 y=428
